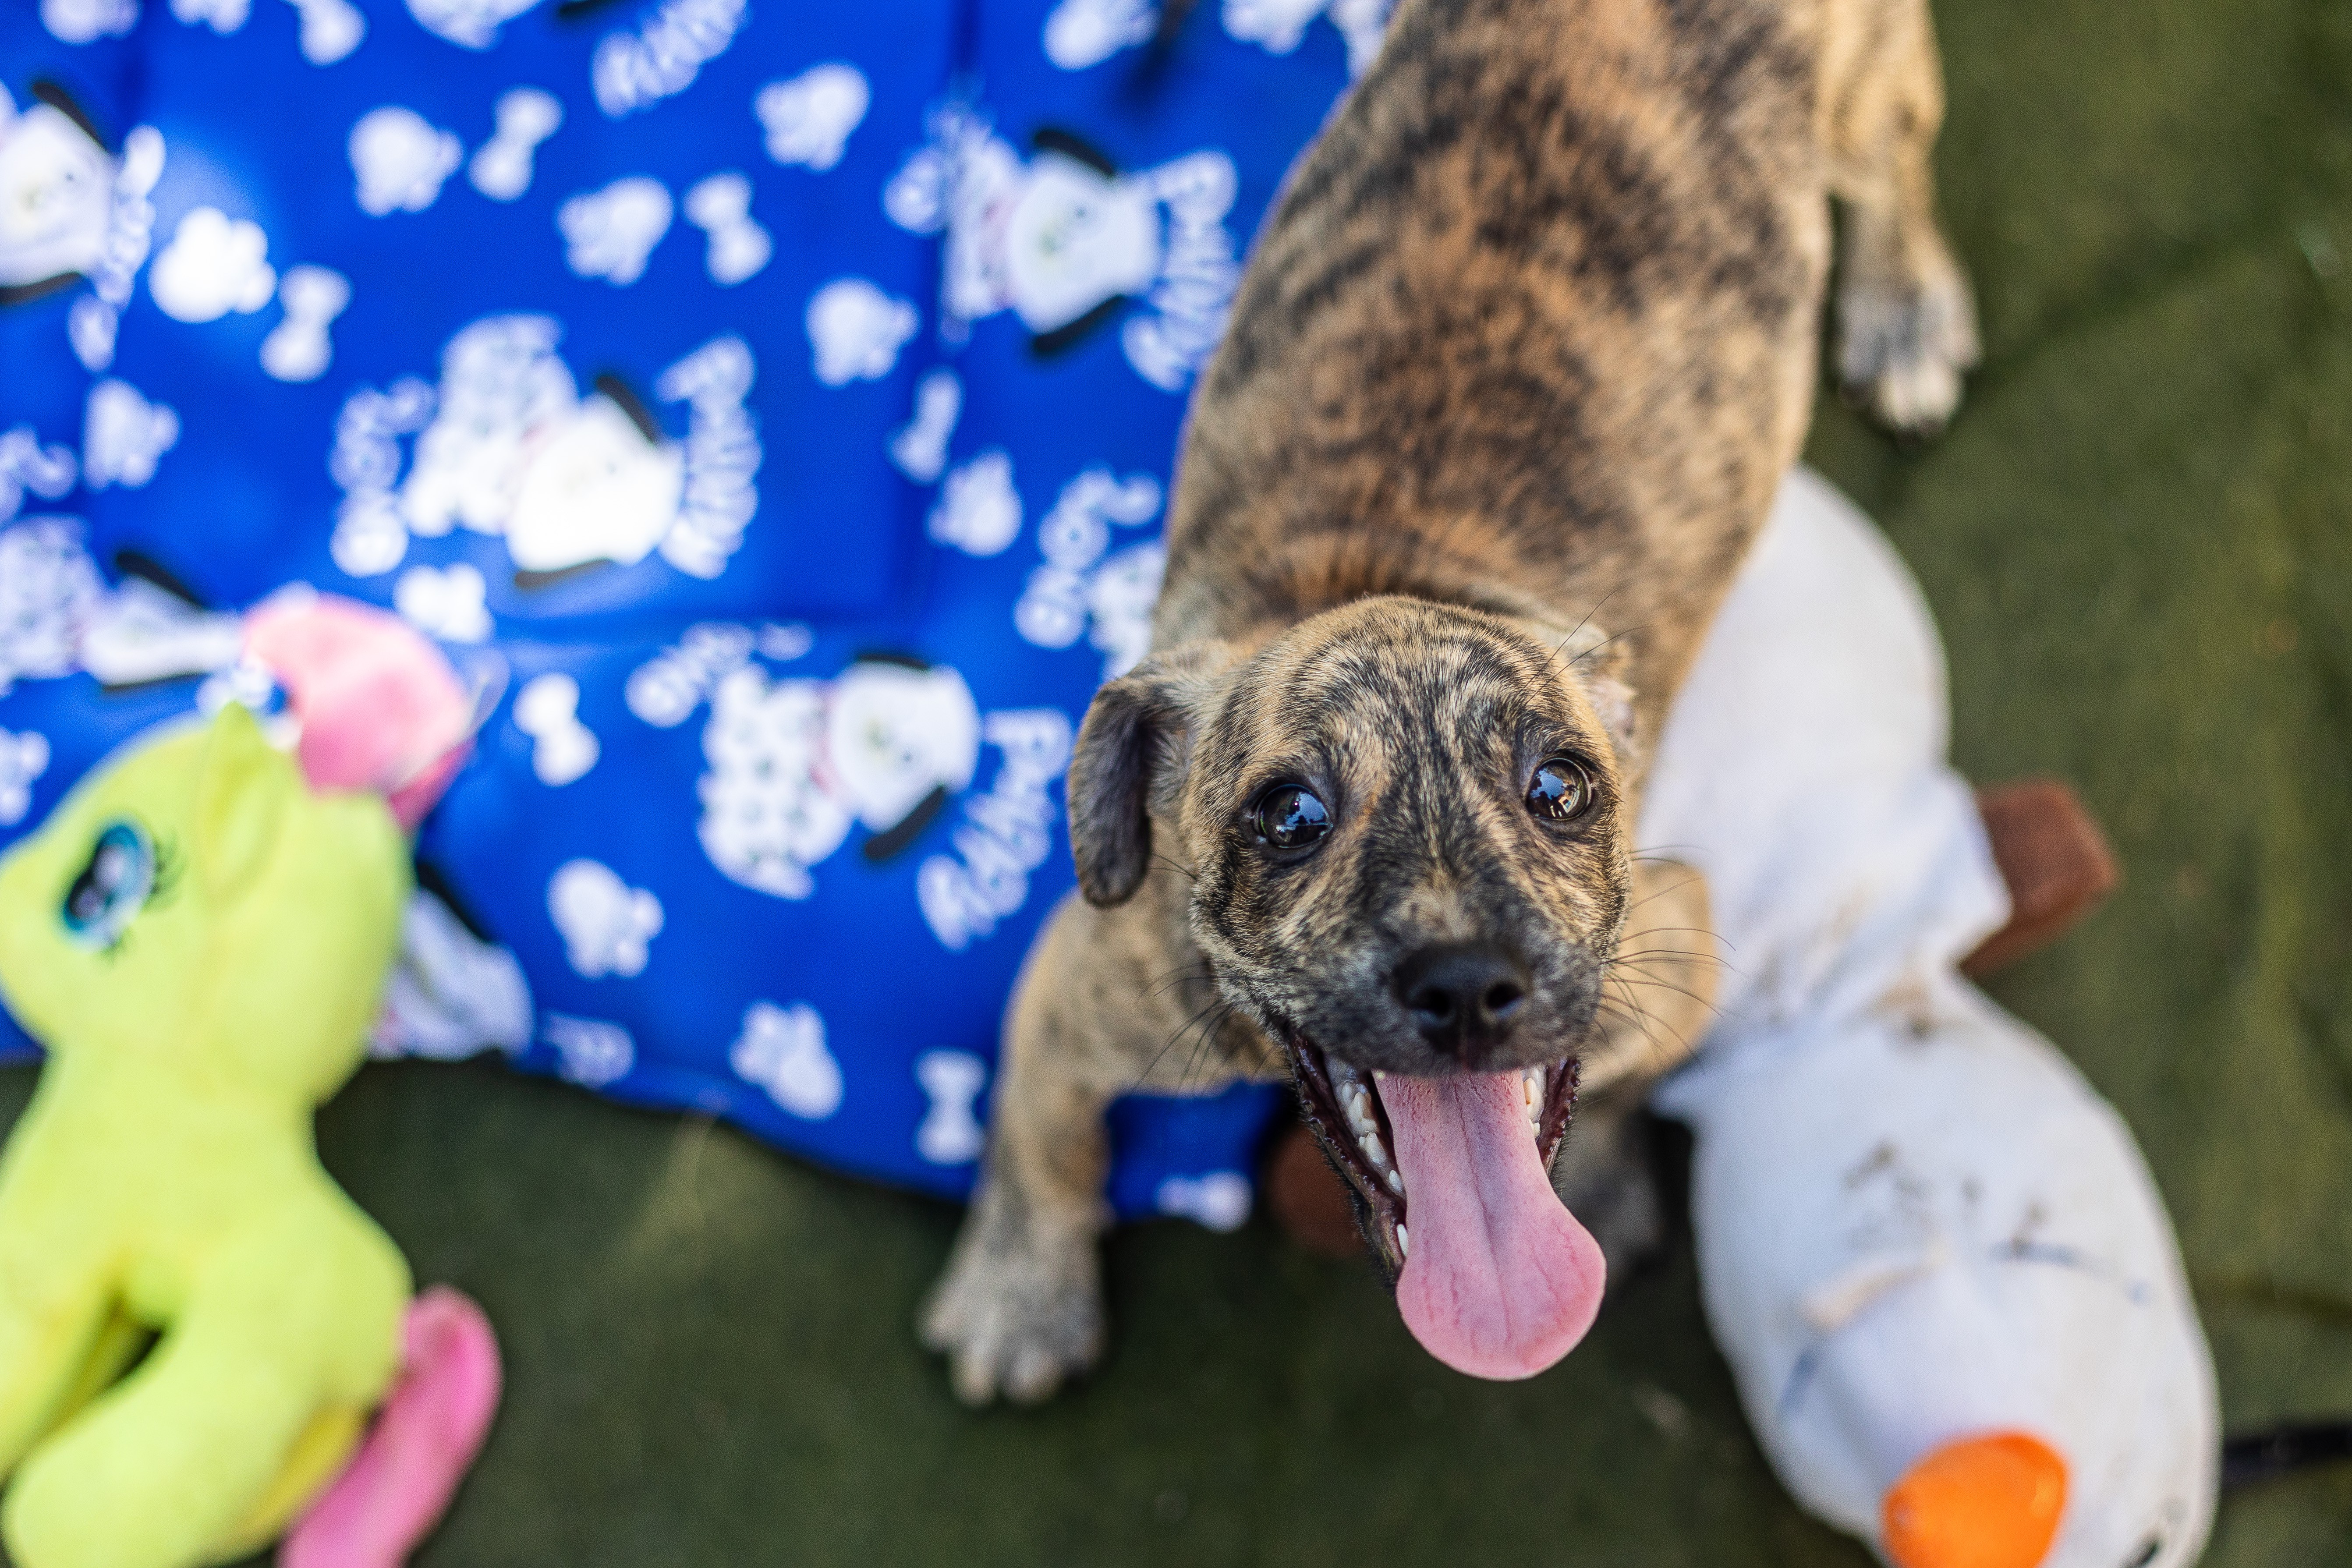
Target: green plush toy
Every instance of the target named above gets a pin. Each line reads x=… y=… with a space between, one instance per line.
x=201 y=941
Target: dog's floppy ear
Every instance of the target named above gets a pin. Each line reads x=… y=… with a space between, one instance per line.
x=1130 y=757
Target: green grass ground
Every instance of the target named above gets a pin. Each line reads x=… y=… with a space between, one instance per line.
x=2136 y=540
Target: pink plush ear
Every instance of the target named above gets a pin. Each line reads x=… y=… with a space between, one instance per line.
x=397 y=1487
x=380 y=708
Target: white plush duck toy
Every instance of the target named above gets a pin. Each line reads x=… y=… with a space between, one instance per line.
x=1932 y=1254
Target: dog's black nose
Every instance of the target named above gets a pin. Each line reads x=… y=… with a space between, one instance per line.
x=1462 y=997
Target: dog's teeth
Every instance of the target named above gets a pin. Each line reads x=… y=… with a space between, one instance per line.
x=1396 y=1182
x=1374 y=1150
x=1404 y=1243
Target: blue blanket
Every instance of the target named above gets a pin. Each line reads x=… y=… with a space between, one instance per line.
x=783 y=394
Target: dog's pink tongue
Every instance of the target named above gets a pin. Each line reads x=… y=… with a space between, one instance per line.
x=1499 y=1279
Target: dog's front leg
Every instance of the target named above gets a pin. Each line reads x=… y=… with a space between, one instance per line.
x=1020 y=1309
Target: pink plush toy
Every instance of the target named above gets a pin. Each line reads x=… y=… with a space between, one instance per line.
x=379 y=706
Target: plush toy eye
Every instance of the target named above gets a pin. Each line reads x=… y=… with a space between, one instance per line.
x=1561 y=790
x=1290 y=818
x=112 y=887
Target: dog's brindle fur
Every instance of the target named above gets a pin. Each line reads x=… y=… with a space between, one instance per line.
x=1518 y=361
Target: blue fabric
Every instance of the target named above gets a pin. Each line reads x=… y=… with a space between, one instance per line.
x=860 y=335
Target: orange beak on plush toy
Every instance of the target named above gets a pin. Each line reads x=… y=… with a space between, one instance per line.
x=1988 y=1501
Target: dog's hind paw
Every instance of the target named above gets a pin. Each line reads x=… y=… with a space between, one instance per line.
x=1016 y=1322
x=1904 y=347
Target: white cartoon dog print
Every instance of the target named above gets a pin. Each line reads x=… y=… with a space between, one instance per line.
x=56 y=192
x=1066 y=242
x=794 y=765
x=71 y=209
x=507 y=445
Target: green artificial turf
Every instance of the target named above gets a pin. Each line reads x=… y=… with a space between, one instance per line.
x=2136 y=539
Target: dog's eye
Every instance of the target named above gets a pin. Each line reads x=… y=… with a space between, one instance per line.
x=1562 y=790
x=112 y=886
x=1290 y=818
x=2149 y=1550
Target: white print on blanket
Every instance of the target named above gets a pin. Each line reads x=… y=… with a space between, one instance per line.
x=507 y=445
x=298 y=348
x=1005 y=834
x=720 y=206
x=223 y=16
x=330 y=29
x=214 y=264
x=1078 y=591
x=26 y=465
x=399 y=160
x=795 y=763
x=1083 y=33
x=547 y=708
x=612 y=232
x=782 y=1049
x=808 y=118
x=123 y=435
x=49 y=588
x=452 y=604
x=919 y=446
x=607 y=925
x=635 y=71
x=473 y=24
x=590 y=1052
x=1061 y=238
x=451 y=993
x=856 y=331
x=1279 y=25
x=666 y=690
x=951 y=1133
x=1219 y=1200
x=87 y=21
x=72 y=208
x=979 y=511
x=23 y=759
x=501 y=166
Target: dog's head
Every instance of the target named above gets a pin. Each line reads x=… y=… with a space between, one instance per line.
x=1406 y=827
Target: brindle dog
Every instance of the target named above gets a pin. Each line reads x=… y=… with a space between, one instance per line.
x=1517 y=367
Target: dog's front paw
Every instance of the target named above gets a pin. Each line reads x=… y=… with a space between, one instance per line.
x=1904 y=345
x=1016 y=1314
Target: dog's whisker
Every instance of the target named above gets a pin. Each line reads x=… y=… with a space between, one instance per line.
x=1698 y=997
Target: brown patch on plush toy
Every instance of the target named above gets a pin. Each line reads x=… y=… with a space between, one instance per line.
x=2055 y=860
